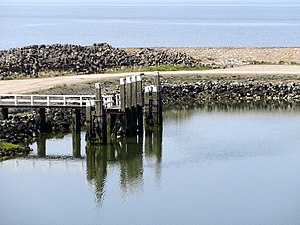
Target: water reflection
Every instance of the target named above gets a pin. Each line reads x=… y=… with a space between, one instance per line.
x=61 y=150
x=183 y=112
x=127 y=155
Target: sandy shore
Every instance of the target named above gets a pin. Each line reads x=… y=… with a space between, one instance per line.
x=273 y=72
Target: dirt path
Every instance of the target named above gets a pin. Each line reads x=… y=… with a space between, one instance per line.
x=30 y=85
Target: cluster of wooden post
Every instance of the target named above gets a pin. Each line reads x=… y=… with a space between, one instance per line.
x=153 y=103
x=105 y=124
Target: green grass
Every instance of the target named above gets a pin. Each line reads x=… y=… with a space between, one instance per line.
x=163 y=67
x=7 y=146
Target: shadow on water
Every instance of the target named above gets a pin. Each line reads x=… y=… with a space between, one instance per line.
x=127 y=155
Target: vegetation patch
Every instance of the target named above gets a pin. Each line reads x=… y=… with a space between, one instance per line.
x=8 y=146
x=162 y=67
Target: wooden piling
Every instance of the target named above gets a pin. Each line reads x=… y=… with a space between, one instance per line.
x=76 y=120
x=134 y=105
x=122 y=94
x=128 y=92
x=4 y=114
x=41 y=146
x=76 y=144
x=42 y=120
x=139 y=104
x=89 y=120
x=100 y=117
x=158 y=99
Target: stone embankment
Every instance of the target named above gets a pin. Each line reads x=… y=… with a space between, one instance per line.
x=235 y=56
x=24 y=129
x=13 y=152
x=19 y=129
x=229 y=90
x=39 y=60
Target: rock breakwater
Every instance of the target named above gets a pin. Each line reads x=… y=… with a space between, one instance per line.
x=235 y=56
x=229 y=90
x=37 y=60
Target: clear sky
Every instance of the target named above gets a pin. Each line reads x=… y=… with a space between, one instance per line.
x=263 y=2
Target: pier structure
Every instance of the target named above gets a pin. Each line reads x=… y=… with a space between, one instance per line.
x=132 y=108
x=108 y=117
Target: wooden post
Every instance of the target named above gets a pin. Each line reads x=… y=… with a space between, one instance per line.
x=4 y=113
x=41 y=146
x=76 y=139
x=139 y=91
x=76 y=120
x=147 y=107
x=139 y=107
x=159 y=99
x=42 y=120
x=128 y=92
x=100 y=117
x=122 y=94
x=134 y=105
x=134 y=91
x=88 y=136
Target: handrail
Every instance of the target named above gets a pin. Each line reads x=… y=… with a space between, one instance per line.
x=25 y=100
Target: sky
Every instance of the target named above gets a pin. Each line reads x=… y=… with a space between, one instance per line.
x=150 y=1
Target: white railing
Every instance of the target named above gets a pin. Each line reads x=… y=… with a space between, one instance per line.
x=19 y=100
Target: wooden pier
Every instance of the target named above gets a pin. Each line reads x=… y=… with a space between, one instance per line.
x=132 y=109
x=108 y=117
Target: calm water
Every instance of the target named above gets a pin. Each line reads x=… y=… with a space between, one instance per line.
x=210 y=165
x=150 y=25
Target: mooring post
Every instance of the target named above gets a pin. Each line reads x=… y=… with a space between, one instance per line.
x=42 y=120
x=134 y=105
x=147 y=107
x=4 y=114
x=139 y=104
x=159 y=98
x=128 y=92
x=100 y=118
x=76 y=120
x=41 y=146
x=122 y=94
x=128 y=112
x=88 y=136
x=76 y=139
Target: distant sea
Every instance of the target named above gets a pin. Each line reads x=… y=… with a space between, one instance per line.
x=150 y=25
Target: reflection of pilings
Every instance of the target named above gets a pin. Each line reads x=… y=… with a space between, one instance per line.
x=131 y=160
x=96 y=158
x=128 y=154
x=41 y=146
x=153 y=148
x=76 y=144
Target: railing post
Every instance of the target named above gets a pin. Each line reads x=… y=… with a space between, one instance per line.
x=16 y=100
x=31 y=100
x=48 y=100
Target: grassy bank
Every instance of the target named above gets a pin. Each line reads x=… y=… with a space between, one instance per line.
x=163 y=67
x=8 y=146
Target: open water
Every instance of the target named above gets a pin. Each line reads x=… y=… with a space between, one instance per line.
x=225 y=165
x=150 y=25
